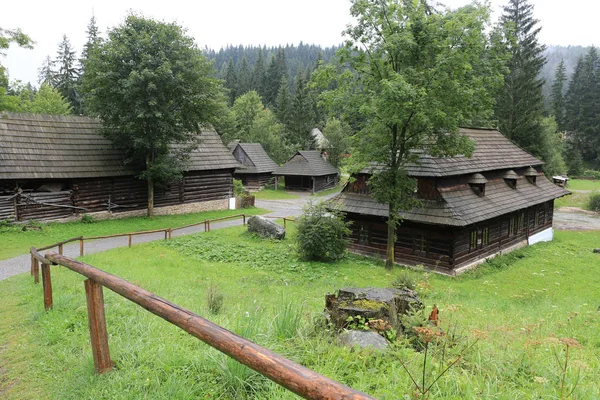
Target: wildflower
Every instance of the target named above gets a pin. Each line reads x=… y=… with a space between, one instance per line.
x=427 y=333
x=540 y=379
x=569 y=342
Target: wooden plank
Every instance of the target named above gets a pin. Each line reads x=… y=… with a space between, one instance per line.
x=97 y=324
x=47 y=283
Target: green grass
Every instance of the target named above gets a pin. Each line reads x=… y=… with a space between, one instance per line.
x=271 y=194
x=15 y=241
x=583 y=184
x=516 y=306
x=576 y=199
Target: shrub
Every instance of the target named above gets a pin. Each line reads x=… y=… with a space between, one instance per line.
x=238 y=188
x=590 y=173
x=322 y=233
x=594 y=201
x=87 y=219
x=405 y=281
x=215 y=299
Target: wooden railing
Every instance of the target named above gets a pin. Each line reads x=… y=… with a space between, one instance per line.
x=293 y=376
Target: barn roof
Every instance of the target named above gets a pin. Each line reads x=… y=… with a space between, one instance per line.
x=306 y=163
x=257 y=156
x=34 y=146
x=459 y=204
x=492 y=151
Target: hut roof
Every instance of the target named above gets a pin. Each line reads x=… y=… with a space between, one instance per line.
x=493 y=151
x=34 y=146
x=257 y=156
x=306 y=163
x=458 y=205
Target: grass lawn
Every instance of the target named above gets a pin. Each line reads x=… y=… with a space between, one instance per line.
x=583 y=184
x=15 y=241
x=576 y=199
x=516 y=309
x=272 y=194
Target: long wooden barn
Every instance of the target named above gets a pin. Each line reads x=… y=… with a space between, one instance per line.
x=308 y=170
x=472 y=208
x=52 y=167
x=256 y=168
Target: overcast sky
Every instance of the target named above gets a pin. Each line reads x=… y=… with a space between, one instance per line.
x=217 y=23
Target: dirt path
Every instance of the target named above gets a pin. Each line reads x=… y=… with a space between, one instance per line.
x=280 y=208
x=575 y=219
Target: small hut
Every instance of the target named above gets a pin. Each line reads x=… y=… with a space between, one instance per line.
x=256 y=165
x=308 y=170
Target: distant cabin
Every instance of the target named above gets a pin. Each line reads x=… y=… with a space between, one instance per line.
x=308 y=170
x=472 y=208
x=256 y=168
x=54 y=167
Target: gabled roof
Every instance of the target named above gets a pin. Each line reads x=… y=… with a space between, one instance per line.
x=459 y=205
x=492 y=151
x=306 y=163
x=34 y=146
x=258 y=156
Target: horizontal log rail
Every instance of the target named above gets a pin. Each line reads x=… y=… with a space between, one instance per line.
x=295 y=377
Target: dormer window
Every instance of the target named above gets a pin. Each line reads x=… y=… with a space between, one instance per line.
x=477 y=183
x=510 y=177
x=531 y=175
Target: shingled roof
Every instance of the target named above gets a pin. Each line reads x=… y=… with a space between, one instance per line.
x=306 y=163
x=492 y=151
x=459 y=205
x=257 y=156
x=36 y=146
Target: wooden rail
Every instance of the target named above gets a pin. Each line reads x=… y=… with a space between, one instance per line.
x=286 y=373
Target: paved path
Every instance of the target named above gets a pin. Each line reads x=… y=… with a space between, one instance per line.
x=280 y=208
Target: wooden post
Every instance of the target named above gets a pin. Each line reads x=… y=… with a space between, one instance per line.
x=129 y=240
x=47 y=282
x=284 y=223
x=244 y=216
x=170 y=233
x=36 y=271
x=60 y=249
x=97 y=324
x=166 y=234
x=80 y=247
x=208 y=224
x=32 y=264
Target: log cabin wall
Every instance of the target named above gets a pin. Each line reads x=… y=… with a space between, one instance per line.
x=7 y=208
x=255 y=181
x=445 y=248
x=325 y=182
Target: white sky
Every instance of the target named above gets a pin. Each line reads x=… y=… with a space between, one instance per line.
x=217 y=23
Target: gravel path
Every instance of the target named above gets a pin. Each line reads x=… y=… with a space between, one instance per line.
x=280 y=208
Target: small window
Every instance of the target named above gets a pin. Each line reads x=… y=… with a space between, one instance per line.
x=473 y=241
x=531 y=179
x=363 y=234
x=420 y=245
x=485 y=236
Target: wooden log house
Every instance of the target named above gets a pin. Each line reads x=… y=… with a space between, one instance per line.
x=472 y=208
x=257 y=167
x=53 y=167
x=308 y=170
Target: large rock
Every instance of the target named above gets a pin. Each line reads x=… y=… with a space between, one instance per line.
x=265 y=228
x=383 y=306
x=364 y=339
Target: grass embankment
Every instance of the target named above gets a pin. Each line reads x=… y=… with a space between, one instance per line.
x=15 y=241
x=517 y=307
x=583 y=184
x=272 y=194
x=578 y=199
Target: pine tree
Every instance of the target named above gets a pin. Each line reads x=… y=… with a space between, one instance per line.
x=93 y=39
x=283 y=107
x=259 y=74
x=302 y=116
x=558 y=98
x=277 y=70
x=244 y=78
x=46 y=73
x=67 y=74
x=231 y=81
x=520 y=101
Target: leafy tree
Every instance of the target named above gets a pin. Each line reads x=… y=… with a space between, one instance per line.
x=49 y=101
x=246 y=108
x=153 y=89
x=554 y=148
x=67 y=73
x=558 y=98
x=415 y=75
x=322 y=233
x=520 y=102
x=336 y=132
x=8 y=36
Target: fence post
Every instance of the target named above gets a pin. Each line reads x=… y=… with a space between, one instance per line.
x=208 y=222
x=244 y=215
x=36 y=271
x=97 y=324
x=81 y=247
x=170 y=233
x=204 y=226
x=129 y=240
x=47 y=282
x=60 y=249
x=284 y=223
x=166 y=234
x=32 y=264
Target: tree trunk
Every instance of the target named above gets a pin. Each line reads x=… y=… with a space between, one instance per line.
x=391 y=239
x=150 y=187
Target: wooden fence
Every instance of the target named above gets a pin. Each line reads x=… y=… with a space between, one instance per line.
x=296 y=378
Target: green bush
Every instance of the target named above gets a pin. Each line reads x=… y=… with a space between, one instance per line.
x=87 y=219
x=594 y=201
x=590 y=173
x=238 y=188
x=322 y=233
x=405 y=281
